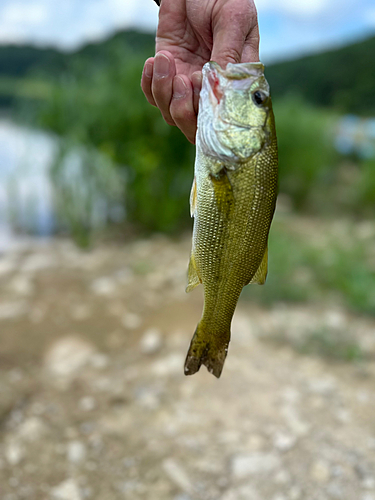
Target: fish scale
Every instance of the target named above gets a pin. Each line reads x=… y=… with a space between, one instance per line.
x=233 y=200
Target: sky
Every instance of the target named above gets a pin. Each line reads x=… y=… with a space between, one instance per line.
x=287 y=27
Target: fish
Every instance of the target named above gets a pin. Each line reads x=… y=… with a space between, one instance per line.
x=232 y=200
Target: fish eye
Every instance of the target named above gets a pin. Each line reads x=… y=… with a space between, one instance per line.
x=259 y=97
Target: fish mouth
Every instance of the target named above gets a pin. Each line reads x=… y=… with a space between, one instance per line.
x=215 y=125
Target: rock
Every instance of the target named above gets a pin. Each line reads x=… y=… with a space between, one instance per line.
x=67 y=490
x=294 y=422
x=177 y=474
x=131 y=321
x=320 y=471
x=11 y=310
x=368 y=496
x=283 y=441
x=99 y=361
x=368 y=483
x=243 y=493
x=80 y=312
x=14 y=452
x=343 y=415
x=104 y=286
x=295 y=493
x=76 y=451
x=323 y=386
x=170 y=365
x=21 y=285
x=282 y=477
x=254 y=463
x=7 y=265
x=32 y=429
x=151 y=341
x=67 y=356
x=38 y=262
x=243 y=328
x=87 y=403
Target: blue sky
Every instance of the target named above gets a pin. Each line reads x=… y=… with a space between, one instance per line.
x=288 y=27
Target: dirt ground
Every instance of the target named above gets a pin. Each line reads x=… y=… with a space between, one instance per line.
x=94 y=403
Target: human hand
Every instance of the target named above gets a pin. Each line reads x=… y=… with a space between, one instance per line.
x=191 y=33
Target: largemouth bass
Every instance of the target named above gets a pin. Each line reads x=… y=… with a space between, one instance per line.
x=232 y=201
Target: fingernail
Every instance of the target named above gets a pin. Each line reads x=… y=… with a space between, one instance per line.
x=161 y=65
x=148 y=70
x=179 y=88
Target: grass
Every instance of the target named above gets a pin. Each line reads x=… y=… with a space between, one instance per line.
x=315 y=261
x=324 y=342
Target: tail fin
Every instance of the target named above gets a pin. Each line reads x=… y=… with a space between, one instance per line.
x=207 y=350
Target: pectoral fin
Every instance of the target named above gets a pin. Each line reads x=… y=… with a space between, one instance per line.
x=223 y=192
x=193 y=198
x=261 y=273
x=193 y=278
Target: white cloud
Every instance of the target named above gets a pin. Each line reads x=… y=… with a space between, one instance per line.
x=71 y=22
x=19 y=13
x=300 y=8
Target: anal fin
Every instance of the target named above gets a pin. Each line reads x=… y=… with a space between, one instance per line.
x=193 y=278
x=193 y=198
x=261 y=273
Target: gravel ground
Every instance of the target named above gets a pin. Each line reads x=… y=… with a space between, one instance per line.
x=94 y=403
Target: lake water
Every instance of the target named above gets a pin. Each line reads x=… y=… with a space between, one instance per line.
x=27 y=194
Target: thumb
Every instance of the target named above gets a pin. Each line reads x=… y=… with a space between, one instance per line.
x=235 y=36
x=227 y=46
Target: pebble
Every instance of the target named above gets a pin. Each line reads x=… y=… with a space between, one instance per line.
x=87 y=403
x=67 y=356
x=177 y=474
x=21 y=285
x=104 y=286
x=295 y=493
x=322 y=386
x=38 y=262
x=76 y=451
x=284 y=442
x=320 y=471
x=170 y=365
x=67 y=490
x=242 y=493
x=254 y=463
x=368 y=483
x=14 y=452
x=32 y=429
x=151 y=341
x=7 y=265
x=131 y=321
x=11 y=310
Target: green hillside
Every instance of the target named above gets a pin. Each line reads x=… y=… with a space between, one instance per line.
x=342 y=78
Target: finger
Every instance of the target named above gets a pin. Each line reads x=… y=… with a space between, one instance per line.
x=196 y=80
x=182 y=108
x=231 y=30
x=162 y=83
x=146 y=80
x=250 y=51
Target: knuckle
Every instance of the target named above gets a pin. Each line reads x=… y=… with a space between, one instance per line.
x=231 y=55
x=182 y=112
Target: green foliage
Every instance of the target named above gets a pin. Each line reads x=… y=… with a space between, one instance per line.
x=320 y=262
x=103 y=107
x=94 y=99
x=306 y=155
x=342 y=78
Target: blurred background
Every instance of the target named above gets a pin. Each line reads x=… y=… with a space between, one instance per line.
x=94 y=244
